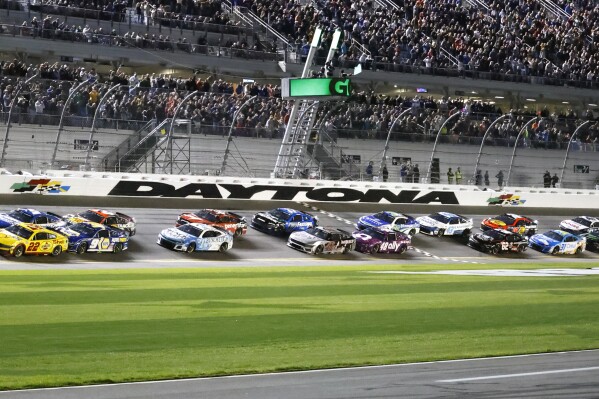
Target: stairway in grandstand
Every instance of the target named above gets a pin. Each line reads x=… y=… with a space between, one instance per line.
x=136 y=147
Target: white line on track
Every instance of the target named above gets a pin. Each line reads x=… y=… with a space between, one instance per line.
x=493 y=377
x=349 y=222
x=284 y=373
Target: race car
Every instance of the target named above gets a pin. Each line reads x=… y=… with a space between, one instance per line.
x=232 y=222
x=374 y=240
x=195 y=237
x=592 y=238
x=580 y=224
x=557 y=242
x=496 y=241
x=116 y=220
x=31 y=239
x=283 y=220
x=322 y=240
x=390 y=220
x=94 y=237
x=445 y=223
x=28 y=215
x=511 y=222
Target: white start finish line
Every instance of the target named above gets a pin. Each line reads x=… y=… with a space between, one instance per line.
x=507 y=272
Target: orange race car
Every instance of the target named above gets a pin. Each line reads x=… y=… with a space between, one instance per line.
x=229 y=221
x=511 y=222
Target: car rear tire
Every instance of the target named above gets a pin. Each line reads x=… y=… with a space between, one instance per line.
x=375 y=249
x=57 y=250
x=118 y=247
x=190 y=248
x=347 y=248
x=440 y=232
x=412 y=233
x=238 y=233
x=318 y=250
x=578 y=250
x=223 y=247
x=402 y=249
x=18 y=251
x=82 y=248
x=466 y=233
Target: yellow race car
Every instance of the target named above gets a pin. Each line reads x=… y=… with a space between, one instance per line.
x=31 y=239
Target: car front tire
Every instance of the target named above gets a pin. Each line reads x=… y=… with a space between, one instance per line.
x=18 y=251
x=440 y=232
x=190 y=248
x=318 y=250
x=57 y=250
x=82 y=248
x=375 y=249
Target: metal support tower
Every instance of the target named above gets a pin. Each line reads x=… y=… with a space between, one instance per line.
x=293 y=155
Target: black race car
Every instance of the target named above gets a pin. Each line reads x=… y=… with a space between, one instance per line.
x=495 y=241
x=592 y=240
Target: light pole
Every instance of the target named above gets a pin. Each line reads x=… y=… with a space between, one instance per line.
x=509 y=172
x=561 y=179
x=61 y=123
x=430 y=164
x=387 y=141
x=90 y=144
x=229 y=138
x=12 y=106
x=482 y=144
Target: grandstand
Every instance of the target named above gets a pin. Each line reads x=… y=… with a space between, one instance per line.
x=116 y=85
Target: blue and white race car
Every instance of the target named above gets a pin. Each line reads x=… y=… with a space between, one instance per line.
x=445 y=224
x=195 y=237
x=558 y=242
x=283 y=221
x=27 y=215
x=390 y=221
x=94 y=237
x=580 y=225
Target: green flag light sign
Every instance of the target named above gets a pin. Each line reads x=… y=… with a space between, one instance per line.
x=319 y=88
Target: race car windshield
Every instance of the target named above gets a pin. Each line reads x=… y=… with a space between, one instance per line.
x=20 y=231
x=440 y=218
x=553 y=235
x=189 y=229
x=375 y=234
x=582 y=221
x=83 y=229
x=384 y=217
x=318 y=233
x=206 y=215
x=279 y=214
x=507 y=219
x=21 y=216
x=91 y=216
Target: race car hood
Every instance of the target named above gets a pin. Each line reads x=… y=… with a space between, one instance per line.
x=429 y=221
x=269 y=217
x=542 y=239
x=6 y=220
x=304 y=237
x=572 y=225
x=175 y=234
x=75 y=219
x=495 y=222
x=372 y=221
x=481 y=237
x=365 y=238
x=7 y=240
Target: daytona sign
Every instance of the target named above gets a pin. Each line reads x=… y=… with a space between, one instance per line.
x=287 y=193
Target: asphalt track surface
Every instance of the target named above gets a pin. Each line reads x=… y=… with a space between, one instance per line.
x=561 y=375
x=569 y=375
x=259 y=249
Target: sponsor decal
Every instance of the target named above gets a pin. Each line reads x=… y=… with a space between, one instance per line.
x=287 y=193
x=41 y=186
x=506 y=200
x=508 y=272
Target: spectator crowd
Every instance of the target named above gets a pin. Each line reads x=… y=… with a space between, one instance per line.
x=145 y=97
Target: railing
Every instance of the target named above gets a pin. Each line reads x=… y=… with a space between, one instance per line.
x=141 y=43
x=554 y=9
x=113 y=157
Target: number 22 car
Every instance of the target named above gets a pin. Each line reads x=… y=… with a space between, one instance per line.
x=31 y=239
x=94 y=237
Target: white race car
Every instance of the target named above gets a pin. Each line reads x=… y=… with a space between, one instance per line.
x=580 y=224
x=195 y=237
x=445 y=224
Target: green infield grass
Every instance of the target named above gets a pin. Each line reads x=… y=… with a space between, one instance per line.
x=65 y=327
